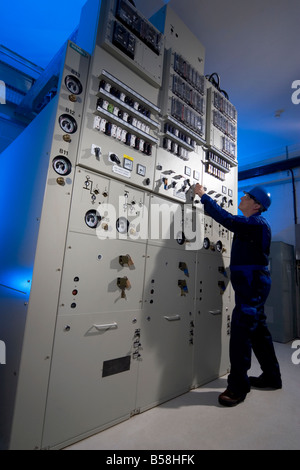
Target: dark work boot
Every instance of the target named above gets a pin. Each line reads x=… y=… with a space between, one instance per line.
x=229 y=398
x=265 y=382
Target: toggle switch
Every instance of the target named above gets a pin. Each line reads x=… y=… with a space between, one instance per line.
x=183 y=286
x=222 y=286
x=125 y=260
x=97 y=152
x=224 y=201
x=137 y=333
x=123 y=283
x=183 y=267
x=222 y=270
x=165 y=182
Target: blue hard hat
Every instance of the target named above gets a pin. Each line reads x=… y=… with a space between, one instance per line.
x=261 y=196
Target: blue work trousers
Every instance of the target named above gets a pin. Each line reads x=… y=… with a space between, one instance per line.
x=249 y=330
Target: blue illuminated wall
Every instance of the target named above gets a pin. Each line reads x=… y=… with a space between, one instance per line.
x=281 y=212
x=257 y=144
x=37 y=30
x=22 y=187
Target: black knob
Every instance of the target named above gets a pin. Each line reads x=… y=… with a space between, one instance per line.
x=114 y=158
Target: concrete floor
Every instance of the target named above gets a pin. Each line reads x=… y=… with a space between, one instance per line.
x=268 y=419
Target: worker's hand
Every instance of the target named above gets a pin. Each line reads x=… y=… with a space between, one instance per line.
x=199 y=190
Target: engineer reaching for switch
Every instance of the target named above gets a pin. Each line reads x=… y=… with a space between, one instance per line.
x=251 y=281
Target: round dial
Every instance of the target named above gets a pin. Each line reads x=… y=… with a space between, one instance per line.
x=219 y=246
x=180 y=238
x=62 y=165
x=92 y=218
x=206 y=243
x=73 y=84
x=67 y=123
x=122 y=225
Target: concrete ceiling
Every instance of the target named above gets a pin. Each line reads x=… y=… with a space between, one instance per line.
x=254 y=47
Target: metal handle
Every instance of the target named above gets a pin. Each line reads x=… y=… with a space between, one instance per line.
x=215 y=312
x=106 y=326
x=173 y=318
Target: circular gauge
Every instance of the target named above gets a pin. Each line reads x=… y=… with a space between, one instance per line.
x=122 y=225
x=73 y=84
x=62 y=165
x=67 y=123
x=92 y=218
x=206 y=243
x=180 y=238
x=219 y=246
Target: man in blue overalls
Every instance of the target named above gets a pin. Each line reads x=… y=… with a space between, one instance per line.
x=250 y=278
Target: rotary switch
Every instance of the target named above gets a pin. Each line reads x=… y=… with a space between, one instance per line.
x=114 y=158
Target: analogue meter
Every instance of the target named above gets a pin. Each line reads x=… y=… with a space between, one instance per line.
x=92 y=218
x=62 y=165
x=122 y=225
x=219 y=246
x=73 y=84
x=206 y=243
x=67 y=123
x=180 y=238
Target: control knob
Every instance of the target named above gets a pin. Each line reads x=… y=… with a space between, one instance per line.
x=114 y=158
